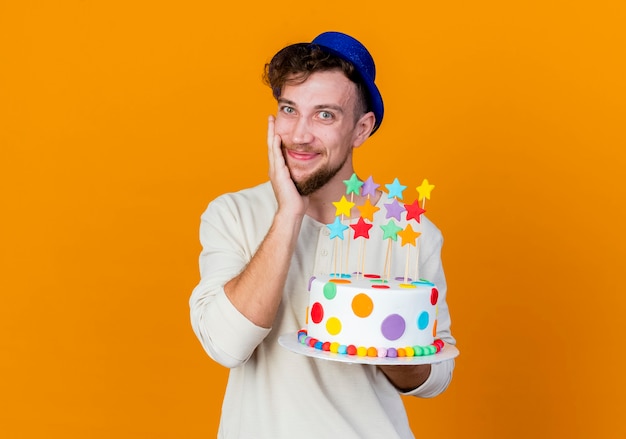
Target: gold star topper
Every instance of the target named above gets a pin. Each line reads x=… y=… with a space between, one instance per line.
x=424 y=190
x=343 y=206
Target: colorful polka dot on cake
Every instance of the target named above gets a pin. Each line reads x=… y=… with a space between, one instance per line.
x=362 y=305
x=422 y=320
x=333 y=326
x=330 y=290
x=317 y=312
x=393 y=327
x=434 y=296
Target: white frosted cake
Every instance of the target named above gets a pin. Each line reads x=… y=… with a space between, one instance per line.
x=367 y=315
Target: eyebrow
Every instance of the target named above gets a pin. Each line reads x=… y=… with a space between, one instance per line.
x=334 y=107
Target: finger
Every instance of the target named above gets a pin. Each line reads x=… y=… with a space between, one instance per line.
x=270 y=130
x=271 y=139
x=274 y=142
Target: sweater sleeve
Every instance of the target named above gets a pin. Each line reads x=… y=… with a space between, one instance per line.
x=432 y=269
x=226 y=335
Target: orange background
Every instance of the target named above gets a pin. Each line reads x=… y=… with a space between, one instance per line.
x=120 y=121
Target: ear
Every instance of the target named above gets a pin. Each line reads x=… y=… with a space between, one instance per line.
x=363 y=129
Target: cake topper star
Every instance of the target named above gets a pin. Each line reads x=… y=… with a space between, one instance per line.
x=337 y=228
x=409 y=235
x=414 y=211
x=369 y=187
x=353 y=185
x=424 y=190
x=394 y=209
x=361 y=228
x=395 y=189
x=368 y=210
x=343 y=206
x=390 y=230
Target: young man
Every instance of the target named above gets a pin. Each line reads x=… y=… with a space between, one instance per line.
x=261 y=245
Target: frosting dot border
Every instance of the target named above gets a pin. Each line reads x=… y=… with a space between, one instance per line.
x=362 y=351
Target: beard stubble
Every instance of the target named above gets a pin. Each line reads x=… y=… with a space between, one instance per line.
x=318 y=179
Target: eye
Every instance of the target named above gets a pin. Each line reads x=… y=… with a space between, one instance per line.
x=326 y=115
x=287 y=109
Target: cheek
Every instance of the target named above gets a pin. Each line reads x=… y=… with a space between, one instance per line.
x=282 y=126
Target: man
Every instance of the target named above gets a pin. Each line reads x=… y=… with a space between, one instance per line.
x=261 y=245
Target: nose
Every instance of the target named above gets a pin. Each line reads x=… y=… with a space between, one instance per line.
x=302 y=134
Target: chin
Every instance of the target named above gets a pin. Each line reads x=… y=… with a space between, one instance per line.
x=314 y=181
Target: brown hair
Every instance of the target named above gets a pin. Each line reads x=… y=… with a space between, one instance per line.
x=295 y=63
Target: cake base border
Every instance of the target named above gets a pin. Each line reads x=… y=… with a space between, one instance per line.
x=290 y=342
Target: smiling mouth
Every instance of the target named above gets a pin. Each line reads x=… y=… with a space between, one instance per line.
x=301 y=155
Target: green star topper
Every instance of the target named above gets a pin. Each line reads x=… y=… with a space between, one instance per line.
x=353 y=185
x=390 y=230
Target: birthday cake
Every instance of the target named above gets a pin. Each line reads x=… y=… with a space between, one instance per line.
x=366 y=315
x=353 y=312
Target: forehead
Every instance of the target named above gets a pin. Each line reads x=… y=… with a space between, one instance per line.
x=330 y=87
